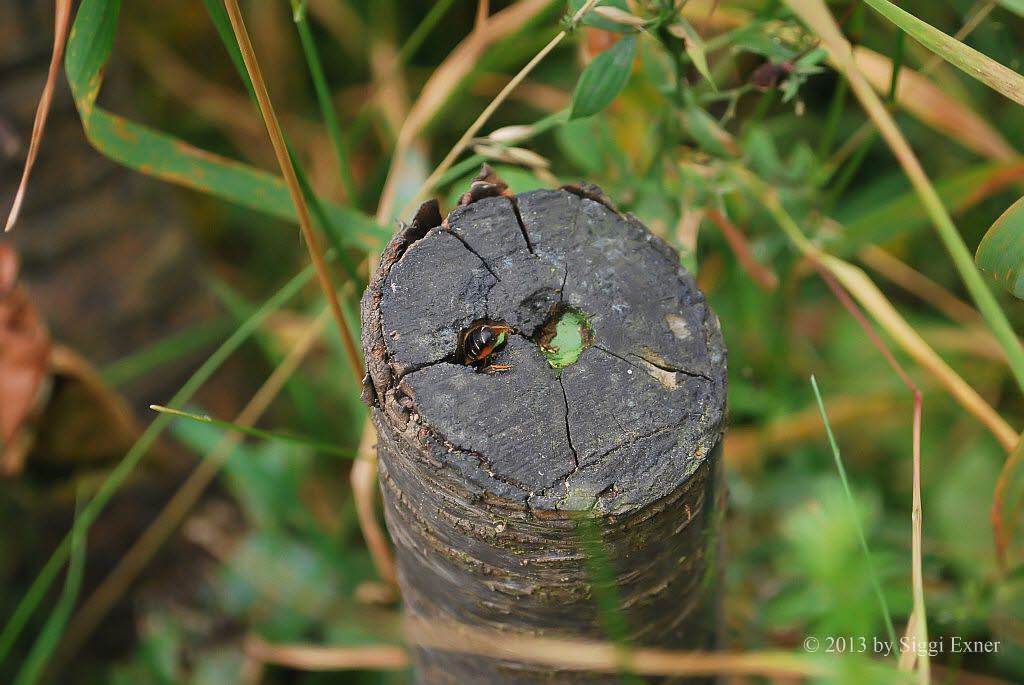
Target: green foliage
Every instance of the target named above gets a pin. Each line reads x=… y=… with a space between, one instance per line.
x=49 y=637
x=604 y=78
x=163 y=156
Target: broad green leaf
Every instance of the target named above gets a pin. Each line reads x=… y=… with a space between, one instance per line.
x=163 y=156
x=967 y=59
x=603 y=78
x=1001 y=252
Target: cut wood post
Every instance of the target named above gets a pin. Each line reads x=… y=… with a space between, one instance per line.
x=485 y=474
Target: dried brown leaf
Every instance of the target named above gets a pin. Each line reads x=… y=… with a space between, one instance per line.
x=24 y=360
x=928 y=102
x=61 y=21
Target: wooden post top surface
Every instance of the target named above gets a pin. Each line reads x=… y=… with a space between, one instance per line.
x=625 y=425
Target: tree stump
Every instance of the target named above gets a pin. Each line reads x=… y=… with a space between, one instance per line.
x=485 y=472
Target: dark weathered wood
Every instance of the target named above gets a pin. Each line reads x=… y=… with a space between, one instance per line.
x=484 y=474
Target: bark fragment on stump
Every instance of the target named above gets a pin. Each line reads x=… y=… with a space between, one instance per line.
x=483 y=473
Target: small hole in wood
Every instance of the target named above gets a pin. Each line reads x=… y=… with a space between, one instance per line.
x=565 y=335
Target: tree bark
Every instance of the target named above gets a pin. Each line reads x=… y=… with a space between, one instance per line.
x=486 y=475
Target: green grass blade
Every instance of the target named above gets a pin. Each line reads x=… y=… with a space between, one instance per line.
x=357 y=129
x=336 y=227
x=168 y=158
x=174 y=346
x=817 y=16
x=603 y=582
x=301 y=393
x=49 y=637
x=324 y=99
x=219 y=16
x=92 y=510
x=276 y=436
x=883 y=604
x=967 y=59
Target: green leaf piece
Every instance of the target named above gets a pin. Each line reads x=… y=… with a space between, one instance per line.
x=604 y=78
x=1001 y=252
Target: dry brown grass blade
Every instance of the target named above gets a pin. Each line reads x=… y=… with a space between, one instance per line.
x=559 y=653
x=492 y=106
x=872 y=299
x=284 y=160
x=61 y=23
x=926 y=101
x=816 y=15
x=918 y=617
x=589 y=655
x=932 y=63
x=170 y=517
x=443 y=82
x=867 y=294
x=364 y=492
x=762 y=275
x=483 y=11
x=745 y=447
x=1001 y=531
x=918 y=627
x=916 y=283
x=313 y=658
